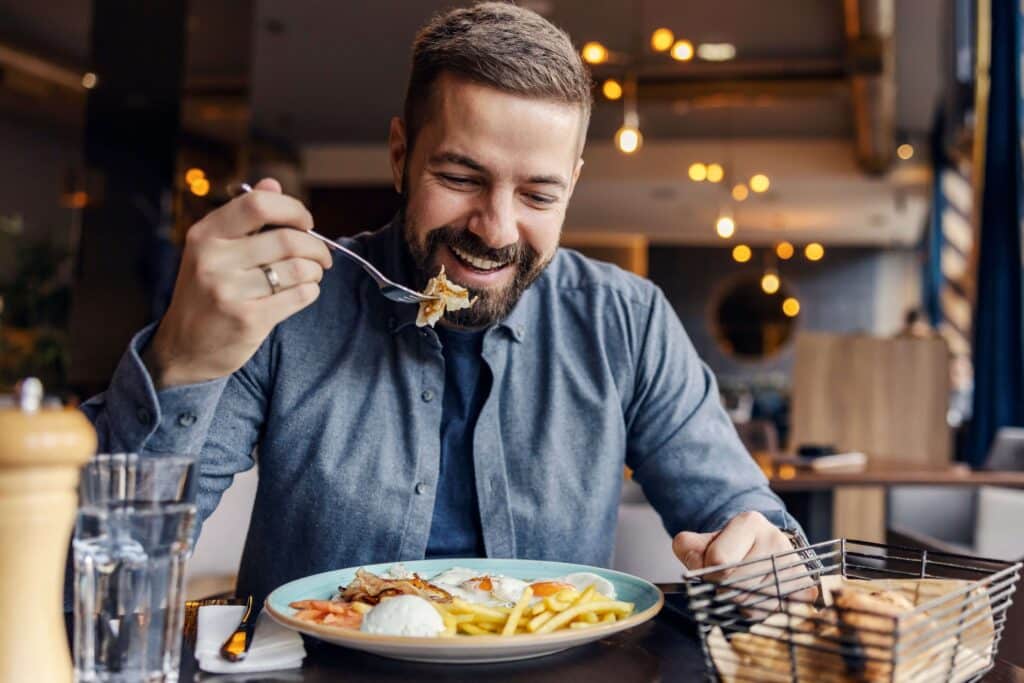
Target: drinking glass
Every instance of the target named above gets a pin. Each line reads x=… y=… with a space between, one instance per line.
x=133 y=535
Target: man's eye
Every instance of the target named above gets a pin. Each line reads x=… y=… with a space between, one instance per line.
x=540 y=198
x=461 y=181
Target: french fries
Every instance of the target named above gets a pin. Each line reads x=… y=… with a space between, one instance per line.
x=517 y=612
x=564 y=610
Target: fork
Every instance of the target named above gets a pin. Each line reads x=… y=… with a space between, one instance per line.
x=389 y=288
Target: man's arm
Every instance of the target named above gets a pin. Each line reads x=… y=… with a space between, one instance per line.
x=685 y=453
x=682 y=446
x=218 y=421
x=192 y=384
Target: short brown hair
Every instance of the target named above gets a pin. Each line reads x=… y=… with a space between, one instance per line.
x=500 y=45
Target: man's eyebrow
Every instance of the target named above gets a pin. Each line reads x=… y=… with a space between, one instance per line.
x=458 y=159
x=547 y=180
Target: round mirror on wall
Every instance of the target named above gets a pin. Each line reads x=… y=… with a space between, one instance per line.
x=751 y=324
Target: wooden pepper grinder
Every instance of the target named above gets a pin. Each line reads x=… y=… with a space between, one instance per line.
x=41 y=452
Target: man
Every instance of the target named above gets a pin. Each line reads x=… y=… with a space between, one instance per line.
x=502 y=432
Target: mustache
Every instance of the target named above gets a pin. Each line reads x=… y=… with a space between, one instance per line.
x=466 y=241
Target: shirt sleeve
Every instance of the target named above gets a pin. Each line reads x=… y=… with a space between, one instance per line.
x=217 y=421
x=682 y=446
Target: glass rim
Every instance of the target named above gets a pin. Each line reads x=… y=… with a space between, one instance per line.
x=172 y=458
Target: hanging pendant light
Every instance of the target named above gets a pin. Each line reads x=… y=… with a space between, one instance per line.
x=629 y=139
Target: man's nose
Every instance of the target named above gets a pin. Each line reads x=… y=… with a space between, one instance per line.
x=495 y=222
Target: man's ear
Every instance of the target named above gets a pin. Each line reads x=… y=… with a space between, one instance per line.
x=575 y=176
x=397 y=150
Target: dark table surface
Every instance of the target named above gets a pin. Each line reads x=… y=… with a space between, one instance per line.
x=665 y=649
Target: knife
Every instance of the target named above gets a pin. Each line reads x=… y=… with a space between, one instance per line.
x=236 y=647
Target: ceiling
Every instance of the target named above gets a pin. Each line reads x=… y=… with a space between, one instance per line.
x=336 y=72
x=328 y=76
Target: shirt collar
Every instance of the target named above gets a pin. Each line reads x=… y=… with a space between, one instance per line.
x=387 y=247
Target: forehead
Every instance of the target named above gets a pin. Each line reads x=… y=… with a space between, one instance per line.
x=501 y=129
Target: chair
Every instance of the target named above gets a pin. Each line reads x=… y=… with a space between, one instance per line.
x=213 y=567
x=759 y=436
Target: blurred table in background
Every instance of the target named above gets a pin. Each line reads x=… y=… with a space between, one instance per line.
x=810 y=494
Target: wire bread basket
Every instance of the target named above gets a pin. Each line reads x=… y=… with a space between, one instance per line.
x=882 y=613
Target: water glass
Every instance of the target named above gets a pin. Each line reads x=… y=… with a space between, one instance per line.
x=133 y=535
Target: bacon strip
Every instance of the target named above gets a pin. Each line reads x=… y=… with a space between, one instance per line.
x=370 y=588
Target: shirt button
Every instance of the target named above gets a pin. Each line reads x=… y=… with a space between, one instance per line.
x=427 y=395
x=186 y=419
x=421 y=488
x=143 y=415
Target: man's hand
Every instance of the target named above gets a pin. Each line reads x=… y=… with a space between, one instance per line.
x=223 y=308
x=747 y=536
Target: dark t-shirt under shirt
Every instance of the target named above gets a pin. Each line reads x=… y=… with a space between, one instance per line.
x=455 y=530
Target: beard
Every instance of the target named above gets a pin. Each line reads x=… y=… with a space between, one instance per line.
x=493 y=304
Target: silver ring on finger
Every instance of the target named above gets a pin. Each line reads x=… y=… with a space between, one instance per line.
x=272 y=279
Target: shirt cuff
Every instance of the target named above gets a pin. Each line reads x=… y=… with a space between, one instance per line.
x=172 y=420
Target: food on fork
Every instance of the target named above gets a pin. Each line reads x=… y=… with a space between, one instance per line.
x=451 y=297
x=464 y=602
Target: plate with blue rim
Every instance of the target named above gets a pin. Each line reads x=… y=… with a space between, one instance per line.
x=462 y=649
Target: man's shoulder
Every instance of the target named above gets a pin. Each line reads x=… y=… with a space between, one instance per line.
x=575 y=277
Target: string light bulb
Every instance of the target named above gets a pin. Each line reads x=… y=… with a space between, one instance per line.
x=814 y=251
x=194 y=174
x=741 y=253
x=200 y=187
x=784 y=250
x=715 y=173
x=760 y=183
x=791 y=307
x=628 y=139
x=662 y=39
x=594 y=53
x=740 y=192
x=770 y=282
x=698 y=172
x=725 y=226
x=682 y=51
x=612 y=89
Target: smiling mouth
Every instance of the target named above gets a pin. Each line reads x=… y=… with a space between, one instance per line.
x=475 y=262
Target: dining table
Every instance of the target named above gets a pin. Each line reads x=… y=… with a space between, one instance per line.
x=808 y=493
x=665 y=649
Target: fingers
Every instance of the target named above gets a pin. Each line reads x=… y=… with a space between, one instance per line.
x=268 y=184
x=690 y=547
x=249 y=212
x=734 y=543
x=273 y=309
x=276 y=245
x=290 y=272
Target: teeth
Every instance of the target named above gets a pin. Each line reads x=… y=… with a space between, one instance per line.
x=482 y=264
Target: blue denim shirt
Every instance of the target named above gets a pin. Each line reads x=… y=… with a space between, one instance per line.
x=591 y=371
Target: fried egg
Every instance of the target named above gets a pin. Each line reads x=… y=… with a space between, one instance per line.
x=482 y=589
x=581 y=580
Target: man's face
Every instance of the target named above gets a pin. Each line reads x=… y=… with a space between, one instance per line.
x=485 y=190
